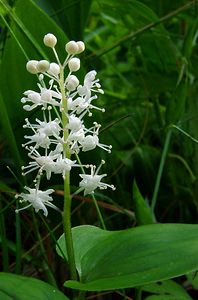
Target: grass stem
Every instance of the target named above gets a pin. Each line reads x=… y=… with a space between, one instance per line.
x=160 y=170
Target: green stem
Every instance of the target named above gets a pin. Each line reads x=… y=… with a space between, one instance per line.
x=185 y=133
x=160 y=170
x=45 y=264
x=66 y=214
x=98 y=212
x=185 y=164
x=80 y=296
x=18 y=244
x=67 y=227
x=138 y=294
x=5 y=256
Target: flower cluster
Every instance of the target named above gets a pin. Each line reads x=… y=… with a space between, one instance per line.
x=54 y=142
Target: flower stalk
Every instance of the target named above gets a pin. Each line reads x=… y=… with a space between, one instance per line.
x=66 y=214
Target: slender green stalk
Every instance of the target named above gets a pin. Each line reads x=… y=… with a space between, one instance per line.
x=160 y=170
x=94 y=199
x=67 y=227
x=80 y=296
x=52 y=236
x=48 y=272
x=185 y=164
x=185 y=133
x=99 y=213
x=138 y=294
x=5 y=257
x=66 y=215
x=158 y=112
x=18 y=244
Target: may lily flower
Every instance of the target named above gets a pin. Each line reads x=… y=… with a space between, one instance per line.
x=37 y=199
x=54 y=141
x=90 y=183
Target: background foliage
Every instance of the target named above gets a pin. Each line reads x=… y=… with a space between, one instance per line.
x=146 y=55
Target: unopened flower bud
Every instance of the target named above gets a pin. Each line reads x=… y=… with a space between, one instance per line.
x=81 y=47
x=71 y=47
x=72 y=83
x=31 y=66
x=54 y=69
x=43 y=66
x=50 y=40
x=74 y=64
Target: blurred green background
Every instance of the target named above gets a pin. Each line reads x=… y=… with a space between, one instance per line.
x=146 y=56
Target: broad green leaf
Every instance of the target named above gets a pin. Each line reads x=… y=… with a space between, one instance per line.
x=10 y=135
x=71 y=15
x=22 y=288
x=166 y=290
x=164 y=297
x=14 y=78
x=4 y=296
x=121 y=259
x=141 y=14
x=143 y=212
x=25 y=40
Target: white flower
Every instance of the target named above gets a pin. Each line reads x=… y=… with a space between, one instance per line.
x=31 y=66
x=93 y=181
x=47 y=97
x=50 y=163
x=71 y=47
x=44 y=98
x=42 y=131
x=43 y=66
x=81 y=47
x=82 y=105
x=33 y=97
x=63 y=166
x=74 y=64
x=75 y=123
x=71 y=83
x=90 y=84
x=38 y=199
x=54 y=70
x=50 y=40
x=90 y=142
x=42 y=162
x=74 y=138
x=39 y=138
x=51 y=128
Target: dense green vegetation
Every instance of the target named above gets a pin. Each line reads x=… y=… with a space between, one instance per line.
x=146 y=56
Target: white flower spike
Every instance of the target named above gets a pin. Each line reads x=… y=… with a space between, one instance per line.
x=55 y=140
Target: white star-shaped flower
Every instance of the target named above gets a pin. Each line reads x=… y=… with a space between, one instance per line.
x=37 y=199
x=90 y=183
